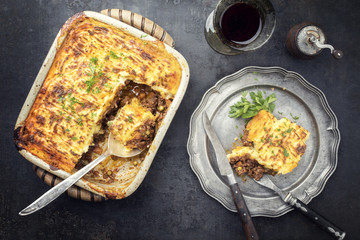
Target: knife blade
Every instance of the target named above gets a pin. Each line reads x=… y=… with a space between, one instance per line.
x=287 y=197
x=226 y=171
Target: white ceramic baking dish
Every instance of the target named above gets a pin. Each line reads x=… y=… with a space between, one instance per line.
x=100 y=188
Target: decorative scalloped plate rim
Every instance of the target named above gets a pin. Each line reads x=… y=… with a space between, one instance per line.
x=213 y=190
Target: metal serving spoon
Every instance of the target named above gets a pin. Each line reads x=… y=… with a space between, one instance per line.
x=114 y=148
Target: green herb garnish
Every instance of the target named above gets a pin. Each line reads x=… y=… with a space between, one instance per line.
x=286 y=153
x=108 y=86
x=97 y=90
x=246 y=109
x=294 y=117
x=79 y=121
x=94 y=60
x=74 y=138
x=113 y=55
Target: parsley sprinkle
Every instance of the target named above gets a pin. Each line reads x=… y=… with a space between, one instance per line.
x=79 y=121
x=281 y=113
x=286 y=153
x=74 y=138
x=113 y=55
x=294 y=117
x=93 y=115
x=125 y=58
x=241 y=136
x=130 y=119
x=289 y=130
x=90 y=83
x=97 y=91
x=94 y=60
x=108 y=86
x=68 y=130
x=142 y=36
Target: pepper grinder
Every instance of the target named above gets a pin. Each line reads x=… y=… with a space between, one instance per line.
x=307 y=40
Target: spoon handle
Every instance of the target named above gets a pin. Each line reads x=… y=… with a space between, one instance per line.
x=56 y=191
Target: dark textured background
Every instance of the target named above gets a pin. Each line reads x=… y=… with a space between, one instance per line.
x=170 y=203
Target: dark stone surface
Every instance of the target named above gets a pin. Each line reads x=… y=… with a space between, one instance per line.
x=170 y=203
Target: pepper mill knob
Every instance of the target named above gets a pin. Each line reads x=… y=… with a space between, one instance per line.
x=306 y=40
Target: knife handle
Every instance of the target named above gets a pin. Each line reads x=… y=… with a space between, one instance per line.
x=248 y=226
x=319 y=220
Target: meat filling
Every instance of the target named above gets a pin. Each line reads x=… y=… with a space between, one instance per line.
x=245 y=165
x=144 y=135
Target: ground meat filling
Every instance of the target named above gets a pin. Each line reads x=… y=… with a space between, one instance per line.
x=143 y=137
x=146 y=133
x=245 y=165
x=245 y=140
x=149 y=99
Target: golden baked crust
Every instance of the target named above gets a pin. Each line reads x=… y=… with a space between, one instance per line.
x=277 y=144
x=89 y=69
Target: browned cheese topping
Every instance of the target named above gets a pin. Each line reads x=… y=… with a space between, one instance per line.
x=269 y=146
x=94 y=66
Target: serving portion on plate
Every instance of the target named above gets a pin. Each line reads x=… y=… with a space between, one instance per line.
x=101 y=75
x=298 y=104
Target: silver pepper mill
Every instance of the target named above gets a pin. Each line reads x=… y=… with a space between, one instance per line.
x=306 y=40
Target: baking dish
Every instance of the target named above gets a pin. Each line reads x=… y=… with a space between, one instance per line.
x=114 y=189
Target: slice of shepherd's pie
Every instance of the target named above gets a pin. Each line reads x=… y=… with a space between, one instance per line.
x=270 y=146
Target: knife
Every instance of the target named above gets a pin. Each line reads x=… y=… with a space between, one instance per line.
x=287 y=197
x=226 y=171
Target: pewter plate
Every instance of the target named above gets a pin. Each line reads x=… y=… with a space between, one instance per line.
x=295 y=98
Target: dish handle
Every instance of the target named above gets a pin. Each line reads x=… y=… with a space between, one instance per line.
x=142 y=23
x=74 y=191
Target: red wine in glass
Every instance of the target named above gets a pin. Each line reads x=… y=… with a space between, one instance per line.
x=241 y=23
